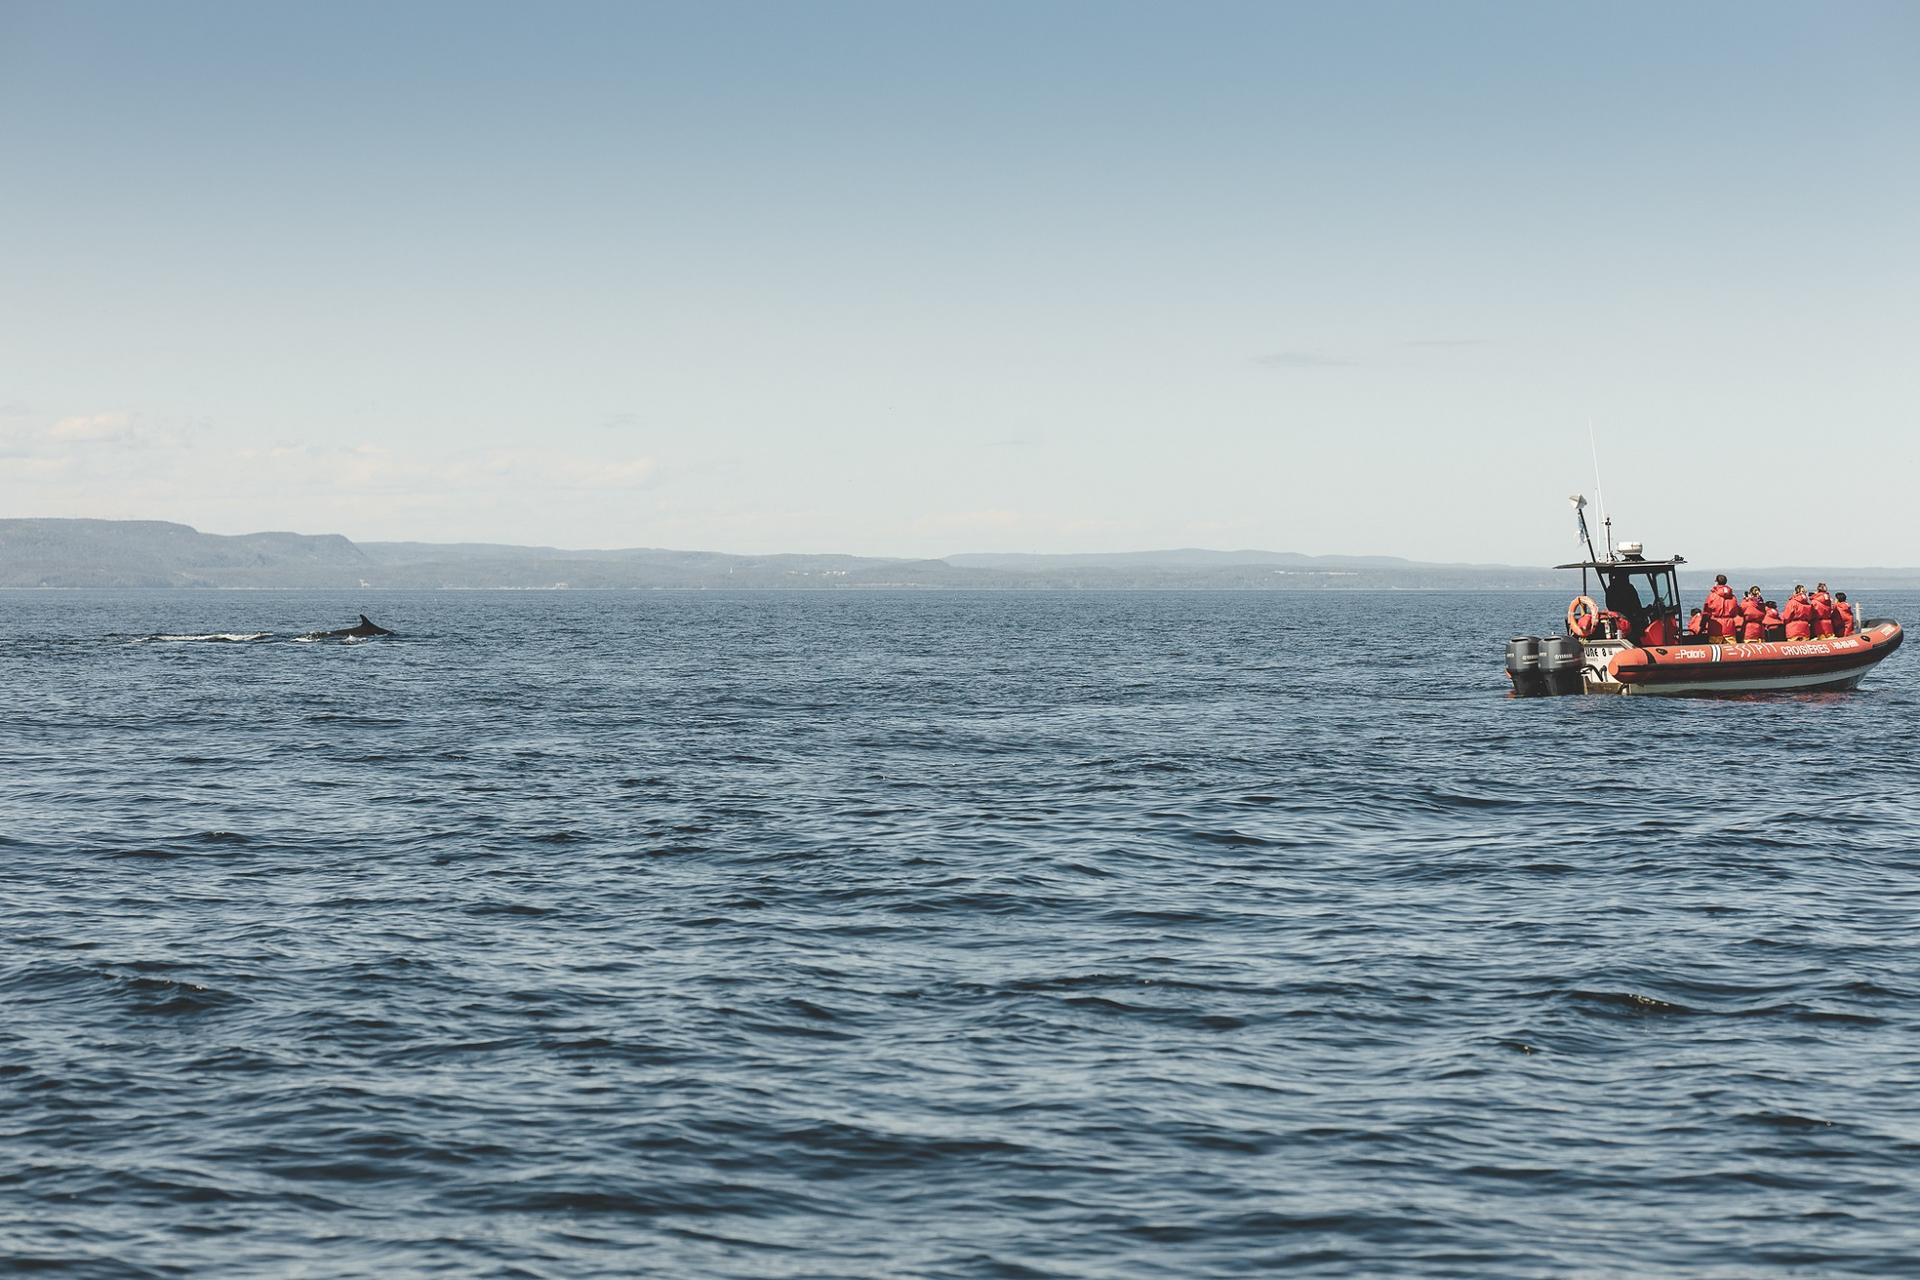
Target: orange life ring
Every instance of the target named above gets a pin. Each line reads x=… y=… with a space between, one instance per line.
x=1582 y=616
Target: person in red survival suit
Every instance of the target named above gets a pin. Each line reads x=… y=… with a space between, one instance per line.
x=1842 y=615
x=1798 y=615
x=1774 y=628
x=1695 y=623
x=1753 y=617
x=1721 y=608
x=1822 y=604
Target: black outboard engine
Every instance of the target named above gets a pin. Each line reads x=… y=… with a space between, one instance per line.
x=1523 y=667
x=1561 y=658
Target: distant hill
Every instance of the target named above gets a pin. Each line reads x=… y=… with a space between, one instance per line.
x=1187 y=558
x=153 y=553
x=1195 y=558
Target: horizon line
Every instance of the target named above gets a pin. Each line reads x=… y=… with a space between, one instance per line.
x=943 y=558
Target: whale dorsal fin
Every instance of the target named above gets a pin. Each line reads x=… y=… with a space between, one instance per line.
x=365 y=621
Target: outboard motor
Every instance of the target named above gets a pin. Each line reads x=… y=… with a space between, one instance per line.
x=1561 y=658
x=1523 y=666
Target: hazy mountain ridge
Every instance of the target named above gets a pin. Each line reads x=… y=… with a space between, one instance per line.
x=154 y=553
x=1180 y=558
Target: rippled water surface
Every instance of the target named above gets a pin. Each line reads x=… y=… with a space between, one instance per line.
x=943 y=935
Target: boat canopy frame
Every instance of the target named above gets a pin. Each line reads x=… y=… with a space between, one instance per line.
x=1618 y=573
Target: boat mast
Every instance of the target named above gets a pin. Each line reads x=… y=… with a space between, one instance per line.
x=1600 y=490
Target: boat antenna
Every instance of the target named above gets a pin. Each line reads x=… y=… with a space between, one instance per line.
x=1599 y=490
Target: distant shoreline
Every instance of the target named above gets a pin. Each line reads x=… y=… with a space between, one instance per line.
x=897 y=589
x=81 y=554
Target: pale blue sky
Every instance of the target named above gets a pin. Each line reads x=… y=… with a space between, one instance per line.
x=917 y=279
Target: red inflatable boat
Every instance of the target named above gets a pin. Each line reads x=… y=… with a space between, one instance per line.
x=1632 y=641
x=1767 y=666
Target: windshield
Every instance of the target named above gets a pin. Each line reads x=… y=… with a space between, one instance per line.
x=1638 y=595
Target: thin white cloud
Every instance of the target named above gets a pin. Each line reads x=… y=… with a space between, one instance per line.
x=117 y=425
x=994 y=518
x=123 y=465
x=116 y=430
x=15 y=466
x=539 y=468
x=1302 y=360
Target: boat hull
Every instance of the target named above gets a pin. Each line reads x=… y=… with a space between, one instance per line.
x=1774 y=666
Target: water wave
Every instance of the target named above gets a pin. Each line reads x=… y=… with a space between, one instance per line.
x=939 y=935
x=216 y=637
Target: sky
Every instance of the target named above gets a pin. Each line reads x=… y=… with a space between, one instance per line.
x=917 y=279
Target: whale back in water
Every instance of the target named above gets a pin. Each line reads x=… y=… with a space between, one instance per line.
x=367 y=627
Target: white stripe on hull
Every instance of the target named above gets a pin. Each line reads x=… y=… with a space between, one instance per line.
x=1755 y=684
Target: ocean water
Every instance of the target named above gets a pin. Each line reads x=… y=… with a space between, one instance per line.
x=938 y=935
